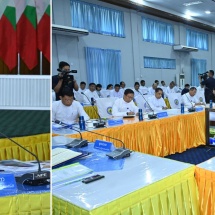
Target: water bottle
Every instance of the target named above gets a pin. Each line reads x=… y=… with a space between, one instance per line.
x=211 y=104
x=92 y=101
x=82 y=123
x=140 y=115
x=182 y=107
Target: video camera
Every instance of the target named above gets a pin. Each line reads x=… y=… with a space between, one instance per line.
x=65 y=73
x=204 y=75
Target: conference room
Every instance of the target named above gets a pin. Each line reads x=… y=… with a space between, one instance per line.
x=162 y=162
x=25 y=107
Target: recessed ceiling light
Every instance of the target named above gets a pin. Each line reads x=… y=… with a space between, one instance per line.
x=192 y=3
x=208 y=12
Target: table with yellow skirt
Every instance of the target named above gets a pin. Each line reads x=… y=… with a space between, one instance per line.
x=205 y=177
x=146 y=185
x=26 y=203
x=157 y=137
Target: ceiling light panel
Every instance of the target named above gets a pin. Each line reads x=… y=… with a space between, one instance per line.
x=192 y=3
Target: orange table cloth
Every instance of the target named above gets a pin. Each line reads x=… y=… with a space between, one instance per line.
x=157 y=137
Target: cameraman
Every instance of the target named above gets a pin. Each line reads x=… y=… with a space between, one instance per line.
x=209 y=85
x=63 y=79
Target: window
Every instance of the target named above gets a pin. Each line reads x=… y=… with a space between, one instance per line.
x=157 y=32
x=159 y=63
x=97 y=19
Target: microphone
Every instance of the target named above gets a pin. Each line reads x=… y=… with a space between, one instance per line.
x=76 y=143
x=100 y=124
x=150 y=116
x=34 y=178
x=118 y=153
x=192 y=109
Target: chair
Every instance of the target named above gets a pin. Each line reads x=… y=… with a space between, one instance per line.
x=141 y=103
x=200 y=95
x=104 y=106
x=175 y=100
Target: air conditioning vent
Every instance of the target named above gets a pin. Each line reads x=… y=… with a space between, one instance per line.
x=183 y=48
x=68 y=31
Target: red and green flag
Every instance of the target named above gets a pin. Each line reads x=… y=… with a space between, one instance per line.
x=8 y=50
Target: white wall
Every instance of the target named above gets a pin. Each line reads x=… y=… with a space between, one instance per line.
x=133 y=48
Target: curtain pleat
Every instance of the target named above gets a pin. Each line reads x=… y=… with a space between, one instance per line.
x=159 y=63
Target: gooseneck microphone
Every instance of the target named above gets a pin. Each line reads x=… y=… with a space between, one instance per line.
x=76 y=143
x=192 y=109
x=150 y=116
x=101 y=124
x=118 y=153
x=34 y=178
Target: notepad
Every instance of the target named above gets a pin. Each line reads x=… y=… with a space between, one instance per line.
x=60 y=155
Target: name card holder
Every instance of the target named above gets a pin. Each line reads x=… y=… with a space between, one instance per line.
x=104 y=145
x=162 y=114
x=7 y=184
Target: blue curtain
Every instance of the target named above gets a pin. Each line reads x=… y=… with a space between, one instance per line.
x=103 y=66
x=97 y=19
x=198 y=66
x=159 y=63
x=157 y=32
x=197 y=39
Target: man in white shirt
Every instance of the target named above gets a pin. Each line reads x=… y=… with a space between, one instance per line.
x=136 y=89
x=152 y=89
x=170 y=89
x=143 y=88
x=67 y=110
x=189 y=99
x=116 y=92
x=91 y=93
x=156 y=102
x=125 y=106
x=78 y=96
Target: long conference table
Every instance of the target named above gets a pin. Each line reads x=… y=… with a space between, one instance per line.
x=158 y=137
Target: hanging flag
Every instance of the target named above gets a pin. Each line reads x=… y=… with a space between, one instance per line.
x=26 y=32
x=43 y=27
x=8 y=51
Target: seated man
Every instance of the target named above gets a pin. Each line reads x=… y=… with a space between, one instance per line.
x=152 y=89
x=186 y=89
x=91 y=94
x=116 y=92
x=189 y=99
x=156 y=102
x=67 y=110
x=125 y=106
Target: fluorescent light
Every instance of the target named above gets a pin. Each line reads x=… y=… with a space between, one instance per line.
x=207 y=12
x=192 y=3
x=137 y=1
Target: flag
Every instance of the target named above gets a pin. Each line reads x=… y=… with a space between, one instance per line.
x=26 y=32
x=8 y=51
x=43 y=27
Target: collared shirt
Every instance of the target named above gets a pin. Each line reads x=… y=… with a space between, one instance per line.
x=151 y=91
x=90 y=95
x=156 y=104
x=68 y=114
x=120 y=107
x=188 y=100
x=116 y=94
x=144 y=90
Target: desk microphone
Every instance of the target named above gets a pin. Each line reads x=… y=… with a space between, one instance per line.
x=101 y=124
x=192 y=109
x=76 y=143
x=118 y=153
x=150 y=116
x=33 y=178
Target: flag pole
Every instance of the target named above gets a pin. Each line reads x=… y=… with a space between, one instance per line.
x=41 y=63
x=18 y=68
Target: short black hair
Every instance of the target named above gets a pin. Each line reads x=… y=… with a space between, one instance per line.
x=186 y=85
x=212 y=72
x=192 y=88
x=116 y=85
x=121 y=82
x=98 y=85
x=109 y=85
x=162 y=82
x=62 y=64
x=136 y=83
x=92 y=84
x=66 y=91
x=156 y=81
x=142 y=81
x=82 y=82
x=158 y=89
x=127 y=91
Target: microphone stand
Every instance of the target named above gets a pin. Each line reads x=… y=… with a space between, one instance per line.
x=34 y=178
x=150 y=116
x=101 y=124
x=192 y=109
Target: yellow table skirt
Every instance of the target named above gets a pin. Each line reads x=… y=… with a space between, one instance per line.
x=157 y=137
x=91 y=112
x=23 y=204
x=206 y=185
x=174 y=195
x=38 y=144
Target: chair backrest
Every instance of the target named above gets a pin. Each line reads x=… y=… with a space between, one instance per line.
x=201 y=96
x=174 y=100
x=104 y=106
x=141 y=103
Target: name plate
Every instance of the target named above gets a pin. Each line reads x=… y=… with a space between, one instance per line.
x=162 y=114
x=103 y=145
x=7 y=183
x=198 y=109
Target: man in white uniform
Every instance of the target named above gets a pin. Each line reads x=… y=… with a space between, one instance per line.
x=156 y=102
x=91 y=93
x=116 y=92
x=143 y=88
x=152 y=89
x=125 y=106
x=67 y=110
x=189 y=99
